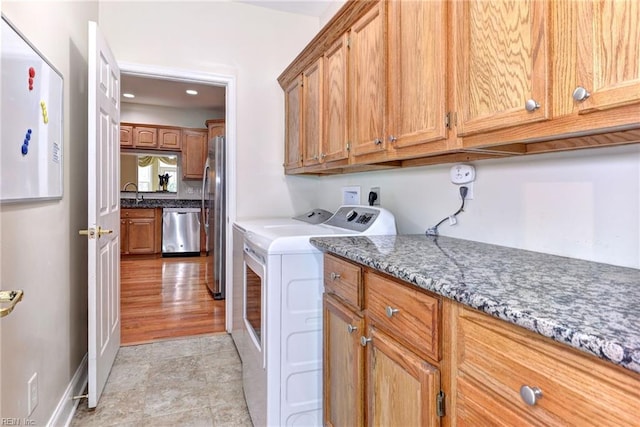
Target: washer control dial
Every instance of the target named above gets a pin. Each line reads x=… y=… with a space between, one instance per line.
x=351 y=215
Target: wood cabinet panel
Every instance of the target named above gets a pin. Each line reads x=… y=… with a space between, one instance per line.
x=402 y=388
x=170 y=138
x=343 y=362
x=126 y=136
x=216 y=127
x=502 y=61
x=335 y=137
x=408 y=314
x=368 y=83
x=140 y=231
x=344 y=280
x=146 y=137
x=608 y=53
x=312 y=112
x=194 y=153
x=417 y=76
x=495 y=359
x=293 y=125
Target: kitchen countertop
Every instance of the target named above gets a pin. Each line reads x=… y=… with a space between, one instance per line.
x=591 y=306
x=160 y=203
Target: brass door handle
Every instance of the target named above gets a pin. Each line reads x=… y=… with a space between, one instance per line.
x=92 y=232
x=11 y=297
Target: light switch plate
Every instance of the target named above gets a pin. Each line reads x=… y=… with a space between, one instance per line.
x=463 y=174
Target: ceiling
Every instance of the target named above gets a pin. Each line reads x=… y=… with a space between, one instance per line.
x=171 y=93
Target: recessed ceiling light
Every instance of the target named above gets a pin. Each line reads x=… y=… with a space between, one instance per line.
x=192 y=92
x=128 y=95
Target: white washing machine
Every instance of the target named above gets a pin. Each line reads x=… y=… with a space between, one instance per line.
x=279 y=331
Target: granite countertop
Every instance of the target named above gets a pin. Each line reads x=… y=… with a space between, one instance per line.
x=591 y=306
x=160 y=203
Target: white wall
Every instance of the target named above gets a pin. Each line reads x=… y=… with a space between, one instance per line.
x=254 y=44
x=582 y=204
x=41 y=250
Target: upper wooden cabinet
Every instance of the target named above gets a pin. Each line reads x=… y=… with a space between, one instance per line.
x=312 y=112
x=126 y=135
x=145 y=137
x=194 y=153
x=335 y=136
x=608 y=54
x=410 y=83
x=216 y=127
x=368 y=82
x=293 y=128
x=502 y=63
x=417 y=76
x=170 y=138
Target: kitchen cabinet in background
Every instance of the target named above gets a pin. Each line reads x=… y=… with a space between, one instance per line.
x=145 y=137
x=140 y=231
x=194 y=153
x=293 y=126
x=126 y=136
x=215 y=127
x=312 y=113
x=170 y=138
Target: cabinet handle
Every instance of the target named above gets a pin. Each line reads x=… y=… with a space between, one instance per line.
x=531 y=105
x=335 y=275
x=315 y=157
x=392 y=138
x=377 y=141
x=323 y=155
x=364 y=341
x=351 y=328
x=580 y=94
x=530 y=395
x=391 y=311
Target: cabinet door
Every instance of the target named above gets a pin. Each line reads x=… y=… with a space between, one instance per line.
x=367 y=65
x=126 y=136
x=216 y=127
x=124 y=238
x=334 y=141
x=141 y=235
x=170 y=139
x=343 y=366
x=293 y=125
x=502 y=63
x=417 y=40
x=402 y=389
x=145 y=137
x=194 y=153
x=608 y=53
x=312 y=112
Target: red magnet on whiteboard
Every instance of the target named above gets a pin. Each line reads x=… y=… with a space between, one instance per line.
x=32 y=74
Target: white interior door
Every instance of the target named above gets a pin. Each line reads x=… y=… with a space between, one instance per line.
x=104 y=212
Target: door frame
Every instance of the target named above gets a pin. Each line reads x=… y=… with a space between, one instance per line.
x=228 y=81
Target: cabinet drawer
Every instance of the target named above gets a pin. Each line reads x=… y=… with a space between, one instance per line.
x=344 y=280
x=137 y=213
x=410 y=315
x=496 y=359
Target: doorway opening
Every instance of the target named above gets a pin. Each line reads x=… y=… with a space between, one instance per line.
x=171 y=285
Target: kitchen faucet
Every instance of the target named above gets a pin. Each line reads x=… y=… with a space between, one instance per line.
x=136 y=187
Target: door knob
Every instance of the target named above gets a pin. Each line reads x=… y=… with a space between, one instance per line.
x=91 y=232
x=11 y=297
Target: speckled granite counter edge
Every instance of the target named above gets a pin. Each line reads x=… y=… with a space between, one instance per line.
x=605 y=349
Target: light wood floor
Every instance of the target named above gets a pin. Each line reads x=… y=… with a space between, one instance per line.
x=166 y=298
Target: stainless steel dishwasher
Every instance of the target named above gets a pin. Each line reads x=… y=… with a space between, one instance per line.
x=180 y=231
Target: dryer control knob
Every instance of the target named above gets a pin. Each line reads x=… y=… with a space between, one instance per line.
x=351 y=215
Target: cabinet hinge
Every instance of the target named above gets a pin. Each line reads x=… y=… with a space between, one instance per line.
x=447 y=120
x=440 y=404
x=348 y=42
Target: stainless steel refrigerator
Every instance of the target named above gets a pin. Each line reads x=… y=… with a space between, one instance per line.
x=214 y=216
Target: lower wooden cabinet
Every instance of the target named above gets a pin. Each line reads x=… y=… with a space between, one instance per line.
x=140 y=230
x=371 y=376
x=343 y=365
x=498 y=365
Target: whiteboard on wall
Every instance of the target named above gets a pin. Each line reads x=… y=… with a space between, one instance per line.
x=31 y=110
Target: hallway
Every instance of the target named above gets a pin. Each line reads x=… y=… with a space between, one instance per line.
x=165 y=298
x=189 y=382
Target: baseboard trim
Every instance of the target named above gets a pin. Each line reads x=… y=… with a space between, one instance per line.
x=66 y=408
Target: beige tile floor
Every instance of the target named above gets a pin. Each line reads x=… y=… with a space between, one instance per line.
x=184 y=382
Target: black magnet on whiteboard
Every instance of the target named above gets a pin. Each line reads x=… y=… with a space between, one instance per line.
x=25 y=149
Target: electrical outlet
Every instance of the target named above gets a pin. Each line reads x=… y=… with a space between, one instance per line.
x=375 y=190
x=469 y=191
x=32 y=393
x=351 y=195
